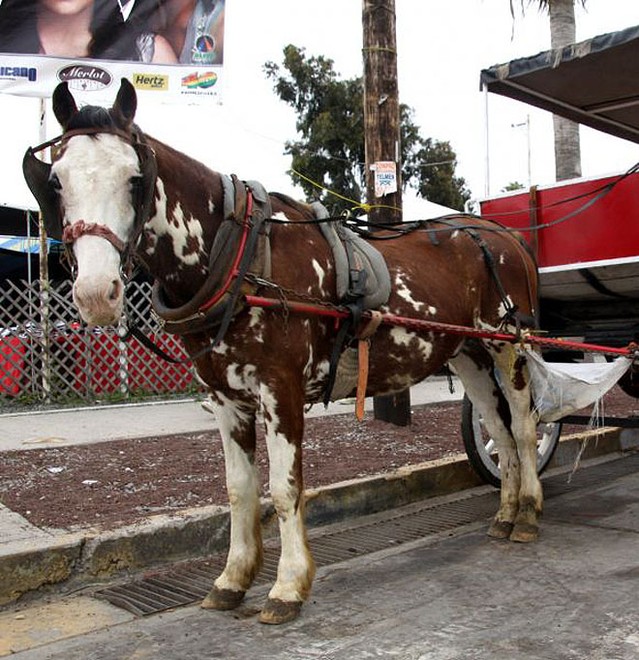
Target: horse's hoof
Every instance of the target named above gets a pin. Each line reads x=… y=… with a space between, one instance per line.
x=222 y=599
x=524 y=533
x=500 y=529
x=280 y=611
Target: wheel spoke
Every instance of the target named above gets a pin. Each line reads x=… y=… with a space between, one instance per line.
x=481 y=448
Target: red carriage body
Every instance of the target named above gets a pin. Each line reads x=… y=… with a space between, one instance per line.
x=587 y=244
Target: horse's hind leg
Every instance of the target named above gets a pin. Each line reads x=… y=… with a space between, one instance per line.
x=244 y=559
x=284 y=420
x=515 y=384
x=475 y=369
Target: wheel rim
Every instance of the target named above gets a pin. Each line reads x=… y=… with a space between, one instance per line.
x=547 y=437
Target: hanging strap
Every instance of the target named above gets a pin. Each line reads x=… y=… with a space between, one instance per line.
x=134 y=331
x=363 y=346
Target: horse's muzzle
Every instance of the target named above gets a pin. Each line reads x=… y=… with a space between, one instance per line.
x=99 y=300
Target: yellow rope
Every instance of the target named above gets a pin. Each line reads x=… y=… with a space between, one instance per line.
x=380 y=49
x=362 y=205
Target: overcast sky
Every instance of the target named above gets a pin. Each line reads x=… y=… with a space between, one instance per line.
x=442 y=47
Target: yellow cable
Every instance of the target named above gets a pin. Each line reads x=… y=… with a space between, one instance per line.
x=366 y=207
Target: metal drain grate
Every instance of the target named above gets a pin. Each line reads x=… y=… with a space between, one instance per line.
x=183 y=585
x=595 y=475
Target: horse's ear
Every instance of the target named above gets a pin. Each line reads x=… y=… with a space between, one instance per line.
x=64 y=106
x=126 y=103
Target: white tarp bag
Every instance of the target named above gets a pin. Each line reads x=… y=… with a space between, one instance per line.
x=561 y=388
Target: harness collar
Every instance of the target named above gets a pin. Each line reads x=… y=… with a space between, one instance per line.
x=241 y=246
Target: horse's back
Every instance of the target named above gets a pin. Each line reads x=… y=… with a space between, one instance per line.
x=459 y=269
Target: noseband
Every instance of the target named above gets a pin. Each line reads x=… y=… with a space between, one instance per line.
x=37 y=174
x=71 y=233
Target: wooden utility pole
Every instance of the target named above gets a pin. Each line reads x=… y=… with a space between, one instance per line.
x=382 y=138
x=381 y=106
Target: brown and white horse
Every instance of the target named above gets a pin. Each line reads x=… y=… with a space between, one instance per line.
x=110 y=202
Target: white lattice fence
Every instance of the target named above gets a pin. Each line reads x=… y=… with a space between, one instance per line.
x=47 y=354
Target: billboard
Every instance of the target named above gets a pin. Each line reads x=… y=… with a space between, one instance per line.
x=170 y=49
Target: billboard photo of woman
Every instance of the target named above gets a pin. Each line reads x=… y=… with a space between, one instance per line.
x=170 y=50
x=93 y=29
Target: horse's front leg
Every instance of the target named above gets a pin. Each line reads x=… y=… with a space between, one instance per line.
x=244 y=560
x=283 y=410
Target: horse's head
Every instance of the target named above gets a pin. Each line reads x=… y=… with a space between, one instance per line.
x=95 y=196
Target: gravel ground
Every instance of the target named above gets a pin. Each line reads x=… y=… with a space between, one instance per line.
x=118 y=482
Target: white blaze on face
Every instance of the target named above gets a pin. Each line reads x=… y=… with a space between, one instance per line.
x=95 y=174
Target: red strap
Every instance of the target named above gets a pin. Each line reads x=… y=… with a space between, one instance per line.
x=238 y=257
x=72 y=232
x=362 y=378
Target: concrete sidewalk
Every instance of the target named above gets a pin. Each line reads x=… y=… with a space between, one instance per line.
x=442 y=595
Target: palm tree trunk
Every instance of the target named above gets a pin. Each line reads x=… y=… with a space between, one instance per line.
x=567 y=147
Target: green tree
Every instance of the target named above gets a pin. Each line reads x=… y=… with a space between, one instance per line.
x=330 y=150
x=562 y=33
x=512 y=186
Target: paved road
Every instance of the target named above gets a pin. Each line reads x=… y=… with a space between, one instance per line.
x=571 y=596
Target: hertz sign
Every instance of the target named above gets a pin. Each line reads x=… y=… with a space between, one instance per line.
x=150 y=81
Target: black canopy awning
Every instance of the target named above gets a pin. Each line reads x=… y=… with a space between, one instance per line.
x=594 y=82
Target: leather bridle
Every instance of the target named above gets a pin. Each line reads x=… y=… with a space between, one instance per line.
x=38 y=176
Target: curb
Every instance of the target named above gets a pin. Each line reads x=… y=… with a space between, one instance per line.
x=83 y=557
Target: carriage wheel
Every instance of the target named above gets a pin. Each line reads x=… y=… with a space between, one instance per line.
x=629 y=382
x=481 y=451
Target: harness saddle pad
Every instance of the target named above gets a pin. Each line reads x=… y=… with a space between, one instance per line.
x=360 y=269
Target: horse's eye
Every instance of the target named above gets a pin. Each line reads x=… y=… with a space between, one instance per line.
x=54 y=182
x=136 y=182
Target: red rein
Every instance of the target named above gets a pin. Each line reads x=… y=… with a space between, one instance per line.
x=447 y=328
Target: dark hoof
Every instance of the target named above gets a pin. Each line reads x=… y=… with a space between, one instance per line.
x=524 y=533
x=500 y=529
x=222 y=599
x=280 y=611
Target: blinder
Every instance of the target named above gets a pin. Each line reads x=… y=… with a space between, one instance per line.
x=37 y=174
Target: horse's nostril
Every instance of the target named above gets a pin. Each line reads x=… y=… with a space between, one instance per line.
x=115 y=290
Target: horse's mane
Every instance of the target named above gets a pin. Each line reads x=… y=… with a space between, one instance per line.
x=303 y=209
x=91 y=116
x=94 y=116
